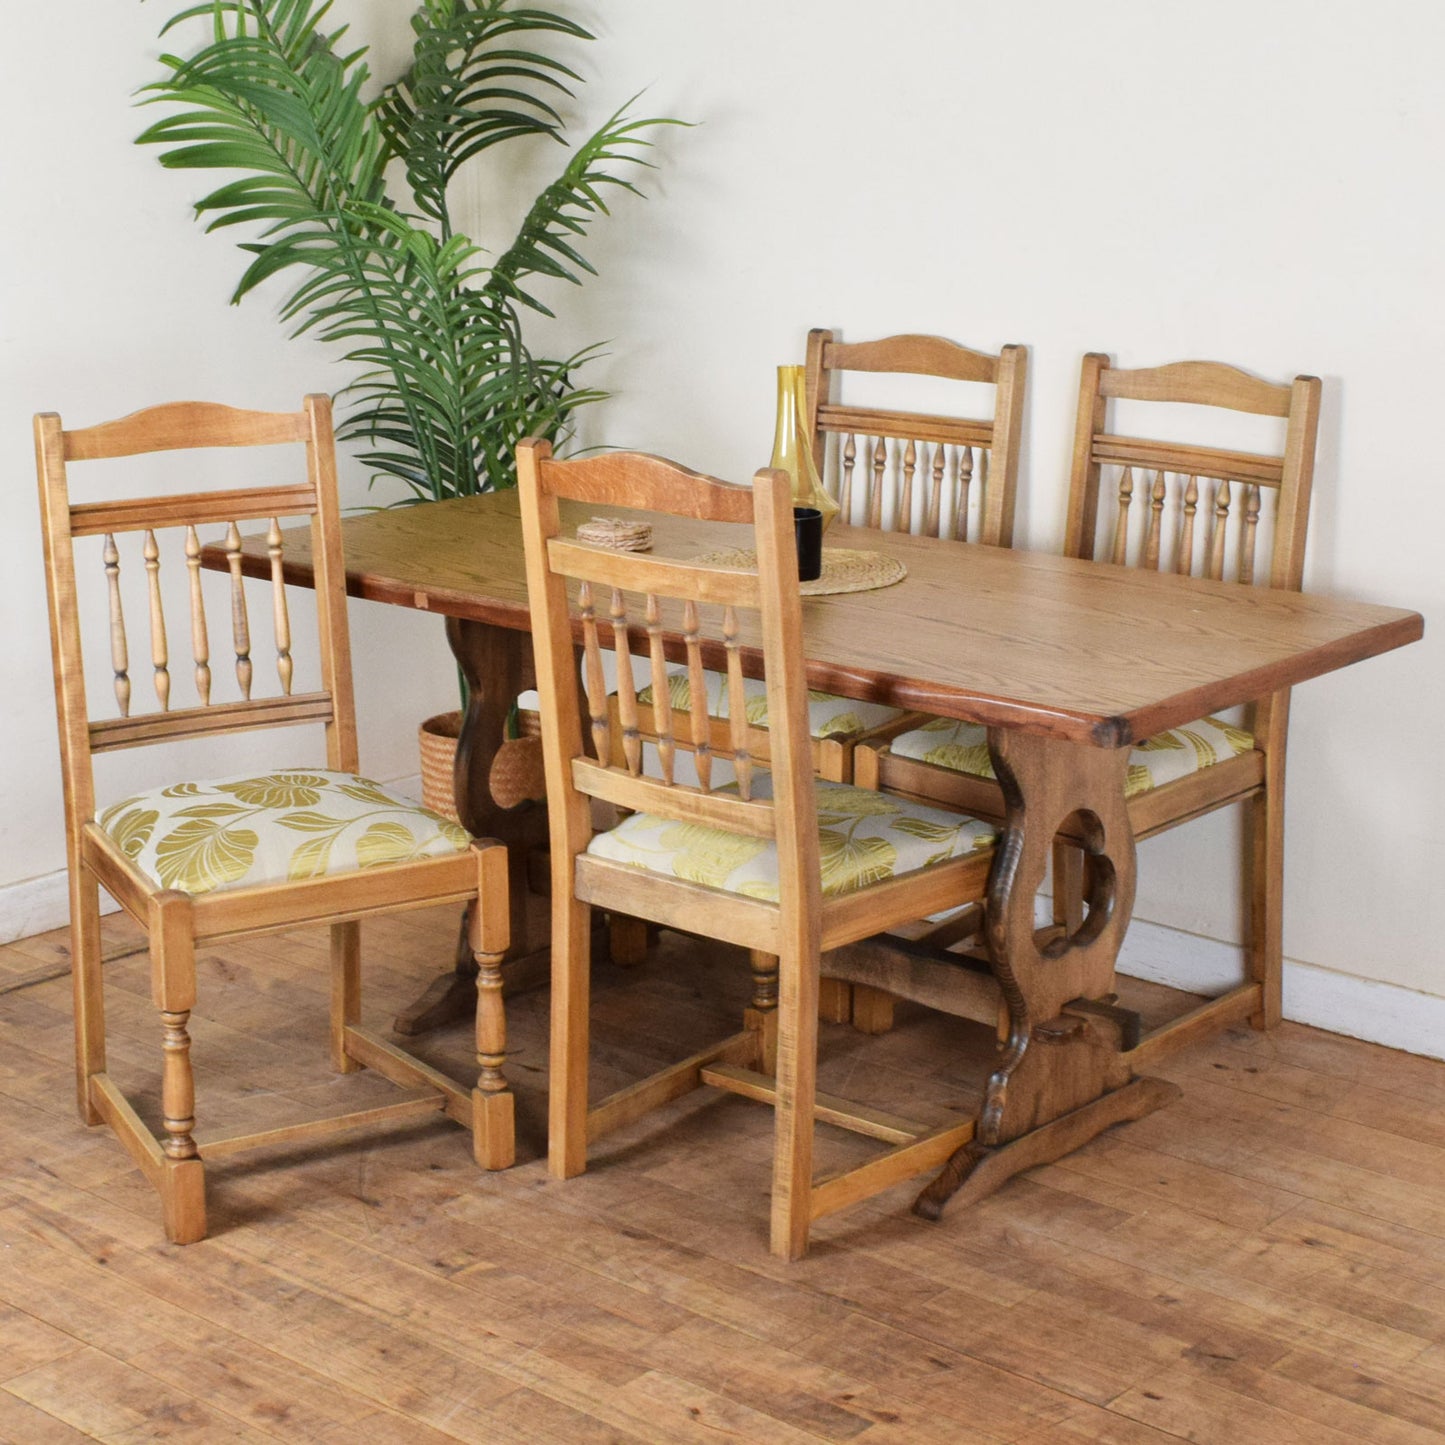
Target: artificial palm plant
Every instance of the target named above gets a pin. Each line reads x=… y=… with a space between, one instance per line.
x=445 y=383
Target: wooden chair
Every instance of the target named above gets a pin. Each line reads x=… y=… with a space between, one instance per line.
x=938 y=475
x=743 y=863
x=943 y=475
x=197 y=863
x=1200 y=511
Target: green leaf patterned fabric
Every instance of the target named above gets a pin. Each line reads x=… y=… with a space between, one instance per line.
x=246 y=831
x=828 y=716
x=865 y=837
x=963 y=747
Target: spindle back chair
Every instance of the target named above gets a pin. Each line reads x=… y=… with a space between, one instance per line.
x=743 y=861
x=909 y=471
x=1204 y=511
x=963 y=473
x=197 y=862
x=1156 y=501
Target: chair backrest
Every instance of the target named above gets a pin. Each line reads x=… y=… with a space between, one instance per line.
x=732 y=621
x=170 y=526
x=963 y=471
x=1157 y=490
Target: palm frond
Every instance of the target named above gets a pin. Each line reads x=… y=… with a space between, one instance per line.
x=444 y=384
x=461 y=93
x=543 y=245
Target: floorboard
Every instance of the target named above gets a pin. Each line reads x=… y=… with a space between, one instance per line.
x=1263 y=1261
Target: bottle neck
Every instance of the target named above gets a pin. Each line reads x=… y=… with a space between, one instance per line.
x=786 y=440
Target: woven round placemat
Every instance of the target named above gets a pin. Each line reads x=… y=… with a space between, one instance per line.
x=845 y=569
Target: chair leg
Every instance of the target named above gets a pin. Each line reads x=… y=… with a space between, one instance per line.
x=838 y=1002
x=183 y=1200
x=626 y=940
x=762 y=1012
x=872 y=1009
x=797 y=1065
x=567 y=1096
x=494 y=1134
x=173 y=985
x=493 y=1116
x=835 y=1001
x=1265 y=855
x=345 y=991
x=85 y=964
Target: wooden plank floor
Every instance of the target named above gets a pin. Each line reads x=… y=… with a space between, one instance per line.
x=1262 y=1262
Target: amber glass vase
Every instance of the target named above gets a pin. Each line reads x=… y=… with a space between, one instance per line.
x=793 y=452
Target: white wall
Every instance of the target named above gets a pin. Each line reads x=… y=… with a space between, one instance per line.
x=1251 y=183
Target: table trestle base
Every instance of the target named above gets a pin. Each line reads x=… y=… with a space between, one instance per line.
x=978 y=1169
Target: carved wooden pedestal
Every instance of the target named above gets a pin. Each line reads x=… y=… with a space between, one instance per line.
x=1064 y=1075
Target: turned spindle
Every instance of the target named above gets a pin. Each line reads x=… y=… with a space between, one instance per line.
x=119 y=655
x=200 y=640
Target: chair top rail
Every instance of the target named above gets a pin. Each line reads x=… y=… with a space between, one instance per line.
x=1202 y=383
x=644 y=482
x=924 y=355
x=87 y=519
x=184 y=425
x=913 y=426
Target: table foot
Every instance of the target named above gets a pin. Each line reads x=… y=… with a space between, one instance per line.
x=447 y=1000
x=977 y=1169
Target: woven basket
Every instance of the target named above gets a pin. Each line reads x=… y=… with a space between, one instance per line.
x=437 y=738
x=517 y=772
x=516 y=775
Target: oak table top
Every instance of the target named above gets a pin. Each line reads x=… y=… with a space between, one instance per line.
x=1049 y=645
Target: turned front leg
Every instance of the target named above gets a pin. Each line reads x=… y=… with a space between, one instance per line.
x=173 y=988
x=493 y=1119
x=762 y=1011
x=178 y=1087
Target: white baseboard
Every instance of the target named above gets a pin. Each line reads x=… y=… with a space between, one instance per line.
x=1362 y=1008
x=409 y=786
x=36 y=905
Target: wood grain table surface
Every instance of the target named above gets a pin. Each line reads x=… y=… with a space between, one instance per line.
x=1050 y=645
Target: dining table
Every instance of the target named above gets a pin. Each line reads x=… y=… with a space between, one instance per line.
x=1067 y=663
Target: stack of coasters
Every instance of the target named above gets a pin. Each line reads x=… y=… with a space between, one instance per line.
x=615 y=533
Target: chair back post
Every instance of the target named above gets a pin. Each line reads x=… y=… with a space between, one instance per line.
x=1010 y=382
x=330 y=582
x=557 y=683
x=65 y=650
x=794 y=793
x=1296 y=484
x=1083 y=515
x=817 y=390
